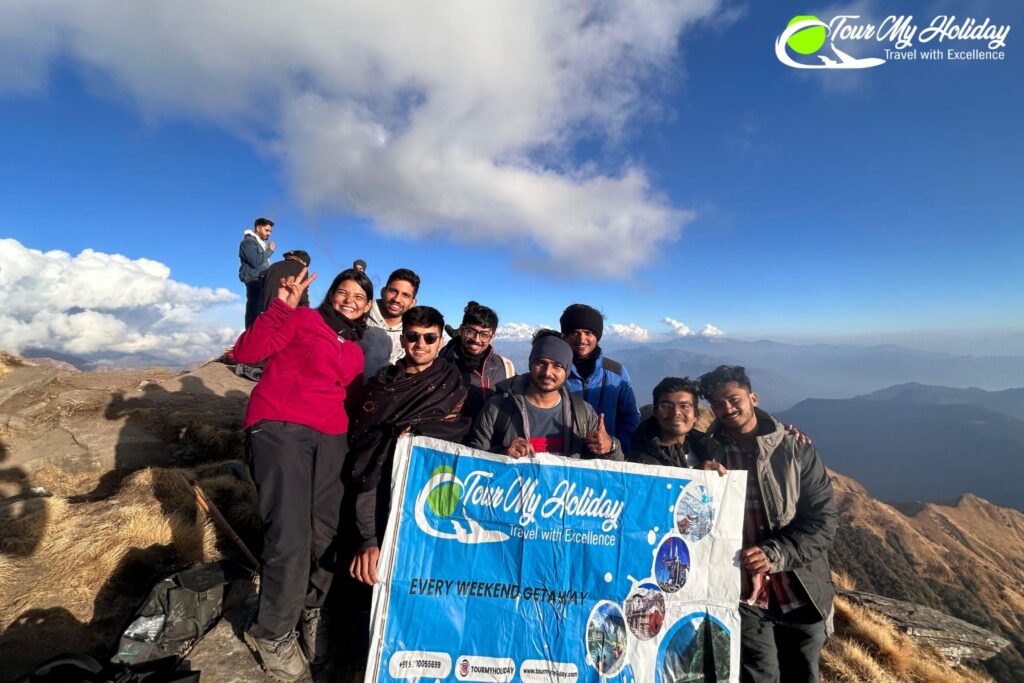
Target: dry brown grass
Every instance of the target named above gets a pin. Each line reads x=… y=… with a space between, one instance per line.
x=8 y=361
x=868 y=647
x=81 y=548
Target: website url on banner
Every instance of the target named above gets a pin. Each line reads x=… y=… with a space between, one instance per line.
x=543 y=671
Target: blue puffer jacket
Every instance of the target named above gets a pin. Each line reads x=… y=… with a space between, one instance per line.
x=610 y=391
x=254 y=258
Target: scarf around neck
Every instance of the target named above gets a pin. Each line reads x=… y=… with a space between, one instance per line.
x=342 y=326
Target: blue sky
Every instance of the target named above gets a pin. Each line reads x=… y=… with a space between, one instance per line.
x=811 y=203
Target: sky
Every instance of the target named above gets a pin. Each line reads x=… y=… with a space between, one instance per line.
x=653 y=159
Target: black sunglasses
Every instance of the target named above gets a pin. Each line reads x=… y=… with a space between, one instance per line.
x=430 y=337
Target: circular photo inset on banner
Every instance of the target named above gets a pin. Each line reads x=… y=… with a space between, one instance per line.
x=606 y=639
x=694 y=512
x=672 y=564
x=696 y=649
x=645 y=611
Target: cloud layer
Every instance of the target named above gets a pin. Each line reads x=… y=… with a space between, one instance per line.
x=457 y=118
x=96 y=302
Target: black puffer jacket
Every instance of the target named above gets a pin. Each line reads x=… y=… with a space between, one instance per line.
x=647 y=449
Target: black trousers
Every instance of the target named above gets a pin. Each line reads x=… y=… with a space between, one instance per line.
x=780 y=647
x=253 y=301
x=297 y=471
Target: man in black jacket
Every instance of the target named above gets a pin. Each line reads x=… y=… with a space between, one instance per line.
x=788 y=528
x=471 y=352
x=534 y=413
x=668 y=436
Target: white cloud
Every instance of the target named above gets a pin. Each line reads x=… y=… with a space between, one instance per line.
x=711 y=331
x=678 y=328
x=456 y=118
x=516 y=331
x=630 y=332
x=96 y=302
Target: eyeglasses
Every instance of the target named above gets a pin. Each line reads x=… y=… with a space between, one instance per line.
x=430 y=337
x=669 y=408
x=358 y=297
x=473 y=333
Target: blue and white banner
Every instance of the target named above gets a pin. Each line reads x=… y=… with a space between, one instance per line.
x=552 y=570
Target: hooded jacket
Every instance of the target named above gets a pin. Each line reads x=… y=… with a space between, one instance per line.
x=504 y=419
x=798 y=503
x=480 y=383
x=610 y=390
x=254 y=257
x=375 y=319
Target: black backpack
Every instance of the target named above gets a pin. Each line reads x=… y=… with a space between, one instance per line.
x=178 y=611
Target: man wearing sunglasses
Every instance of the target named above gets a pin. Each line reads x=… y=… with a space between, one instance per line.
x=471 y=352
x=421 y=394
x=534 y=413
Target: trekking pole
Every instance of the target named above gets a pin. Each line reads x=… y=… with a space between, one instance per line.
x=213 y=513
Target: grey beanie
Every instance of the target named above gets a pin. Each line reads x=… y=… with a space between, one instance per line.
x=553 y=348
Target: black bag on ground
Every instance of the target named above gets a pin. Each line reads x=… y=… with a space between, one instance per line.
x=178 y=611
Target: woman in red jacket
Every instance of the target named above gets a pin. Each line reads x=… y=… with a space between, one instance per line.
x=296 y=446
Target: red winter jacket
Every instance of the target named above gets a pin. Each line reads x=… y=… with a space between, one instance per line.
x=309 y=371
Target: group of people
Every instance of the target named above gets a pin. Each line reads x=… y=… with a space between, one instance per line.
x=342 y=382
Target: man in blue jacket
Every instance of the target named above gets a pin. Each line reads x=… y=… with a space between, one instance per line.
x=254 y=254
x=601 y=381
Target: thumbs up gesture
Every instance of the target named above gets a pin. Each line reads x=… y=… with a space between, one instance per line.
x=598 y=440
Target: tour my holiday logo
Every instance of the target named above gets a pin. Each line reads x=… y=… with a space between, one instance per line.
x=452 y=508
x=808 y=42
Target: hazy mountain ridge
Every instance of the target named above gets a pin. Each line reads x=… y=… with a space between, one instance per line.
x=941 y=442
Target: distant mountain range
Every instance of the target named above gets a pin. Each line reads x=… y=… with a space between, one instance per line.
x=915 y=442
x=784 y=374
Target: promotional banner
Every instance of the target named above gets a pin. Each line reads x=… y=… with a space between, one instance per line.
x=553 y=570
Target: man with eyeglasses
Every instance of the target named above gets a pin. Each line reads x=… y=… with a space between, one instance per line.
x=471 y=352
x=421 y=394
x=668 y=436
x=534 y=413
x=397 y=297
x=788 y=527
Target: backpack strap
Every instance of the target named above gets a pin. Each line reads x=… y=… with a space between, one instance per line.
x=510 y=370
x=612 y=365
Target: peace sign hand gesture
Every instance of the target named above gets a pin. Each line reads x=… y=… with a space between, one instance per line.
x=291 y=288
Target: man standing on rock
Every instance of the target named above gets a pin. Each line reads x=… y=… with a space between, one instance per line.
x=254 y=253
x=788 y=528
x=534 y=413
x=601 y=381
x=397 y=297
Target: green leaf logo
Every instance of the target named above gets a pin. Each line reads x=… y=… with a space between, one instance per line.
x=444 y=499
x=809 y=40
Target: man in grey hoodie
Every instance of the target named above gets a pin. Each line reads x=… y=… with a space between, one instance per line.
x=254 y=254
